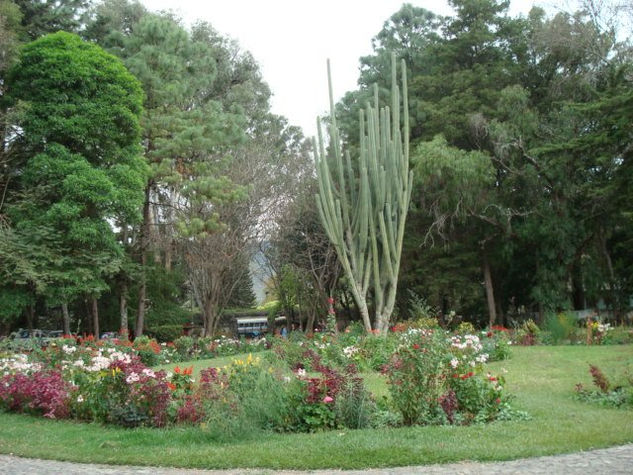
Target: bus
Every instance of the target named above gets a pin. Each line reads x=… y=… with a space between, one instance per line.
x=255 y=327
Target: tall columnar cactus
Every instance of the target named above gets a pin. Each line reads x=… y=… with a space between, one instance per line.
x=363 y=204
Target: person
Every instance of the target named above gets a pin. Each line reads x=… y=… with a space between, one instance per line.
x=284 y=332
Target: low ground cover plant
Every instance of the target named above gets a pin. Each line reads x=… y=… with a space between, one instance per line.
x=606 y=393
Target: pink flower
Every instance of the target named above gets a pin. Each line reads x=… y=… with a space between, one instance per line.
x=327 y=399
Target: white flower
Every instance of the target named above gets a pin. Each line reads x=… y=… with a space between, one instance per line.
x=132 y=378
x=301 y=372
x=80 y=398
x=454 y=363
x=149 y=372
x=69 y=350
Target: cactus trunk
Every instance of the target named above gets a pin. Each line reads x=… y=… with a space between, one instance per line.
x=363 y=208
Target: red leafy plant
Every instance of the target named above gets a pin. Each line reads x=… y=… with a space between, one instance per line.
x=43 y=392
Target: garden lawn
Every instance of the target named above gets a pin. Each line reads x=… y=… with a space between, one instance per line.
x=542 y=378
x=199 y=365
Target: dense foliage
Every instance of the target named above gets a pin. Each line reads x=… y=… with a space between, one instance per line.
x=141 y=183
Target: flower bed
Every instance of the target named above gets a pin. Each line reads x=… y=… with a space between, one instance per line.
x=305 y=384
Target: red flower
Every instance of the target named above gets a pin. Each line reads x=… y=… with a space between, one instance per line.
x=497 y=400
x=171 y=386
x=177 y=370
x=330 y=300
x=416 y=346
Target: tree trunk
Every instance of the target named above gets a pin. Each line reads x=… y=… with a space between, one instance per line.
x=309 y=328
x=613 y=294
x=577 y=287
x=89 y=321
x=168 y=254
x=66 y=319
x=123 y=310
x=30 y=316
x=490 y=295
x=144 y=244
x=95 y=317
x=500 y=315
x=210 y=315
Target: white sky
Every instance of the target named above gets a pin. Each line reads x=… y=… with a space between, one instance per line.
x=292 y=39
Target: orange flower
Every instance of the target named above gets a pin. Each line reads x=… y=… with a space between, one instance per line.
x=171 y=386
x=177 y=370
x=188 y=371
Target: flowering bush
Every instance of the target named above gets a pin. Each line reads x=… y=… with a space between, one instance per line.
x=434 y=379
x=597 y=331
x=117 y=387
x=528 y=333
x=331 y=398
x=496 y=343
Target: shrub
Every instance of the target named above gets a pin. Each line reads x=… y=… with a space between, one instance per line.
x=120 y=389
x=148 y=350
x=375 y=351
x=41 y=392
x=166 y=333
x=560 y=327
x=528 y=333
x=618 y=336
x=436 y=380
x=496 y=343
x=184 y=346
x=465 y=328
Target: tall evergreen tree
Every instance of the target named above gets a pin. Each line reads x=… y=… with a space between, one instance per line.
x=81 y=166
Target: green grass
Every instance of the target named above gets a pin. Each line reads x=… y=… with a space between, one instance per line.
x=204 y=364
x=542 y=378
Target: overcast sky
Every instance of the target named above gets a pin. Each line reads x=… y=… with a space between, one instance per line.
x=292 y=39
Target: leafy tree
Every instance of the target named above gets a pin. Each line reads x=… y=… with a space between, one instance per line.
x=80 y=166
x=40 y=17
